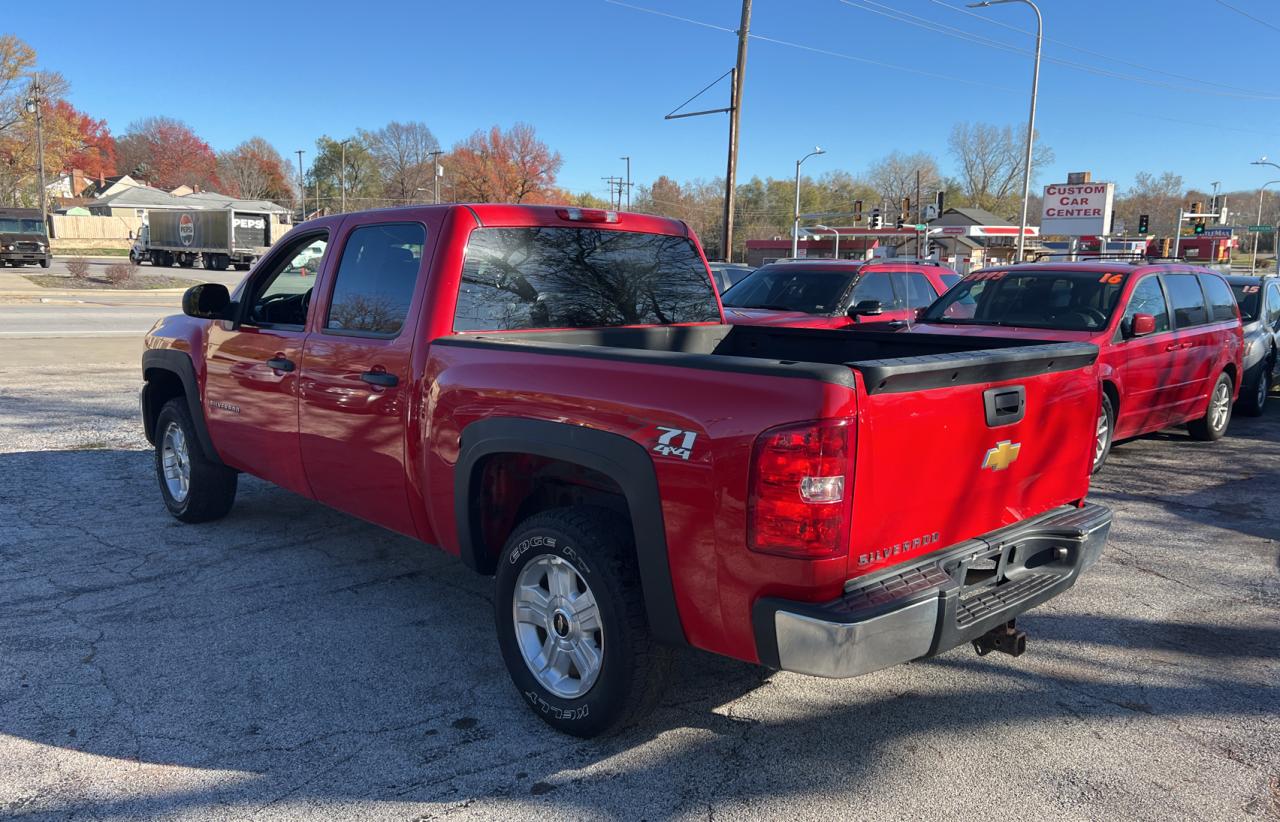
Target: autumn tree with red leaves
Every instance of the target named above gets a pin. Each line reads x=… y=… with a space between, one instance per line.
x=254 y=170
x=497 y=166
x=166 y=153
x=79 y=141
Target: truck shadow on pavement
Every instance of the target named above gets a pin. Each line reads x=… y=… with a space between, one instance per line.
x=320 y=659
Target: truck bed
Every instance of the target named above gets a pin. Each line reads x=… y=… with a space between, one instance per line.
x=888 y=362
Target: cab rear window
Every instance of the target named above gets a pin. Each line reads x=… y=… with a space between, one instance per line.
x=537 y=277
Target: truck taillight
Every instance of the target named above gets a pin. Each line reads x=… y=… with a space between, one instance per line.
x=587 y=215
x=799 y=500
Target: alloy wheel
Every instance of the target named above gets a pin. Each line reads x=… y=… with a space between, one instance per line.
x=558 y=626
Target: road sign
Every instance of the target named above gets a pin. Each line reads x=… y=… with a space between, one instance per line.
x=1216 y=232
x=1262 y=229
x=921 y=227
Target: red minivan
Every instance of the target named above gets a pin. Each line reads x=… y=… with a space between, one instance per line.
x=1169 y=335
x=836 y=293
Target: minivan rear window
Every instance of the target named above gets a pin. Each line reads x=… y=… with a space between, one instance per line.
x=1249 y=297
x=549 y=277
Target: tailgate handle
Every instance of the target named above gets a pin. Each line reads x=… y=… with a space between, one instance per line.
x=1005 y=405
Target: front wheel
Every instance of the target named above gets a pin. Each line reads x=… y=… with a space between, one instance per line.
x=1218 y=413
x=571 y=621
x=1104 y=433
x=195 y=488
x=44 y=263
x=1253 y=394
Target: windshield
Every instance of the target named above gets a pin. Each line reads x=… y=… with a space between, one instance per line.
x=13 y=225
x=1064 y=300
x=789 y=288
x=1248 y=296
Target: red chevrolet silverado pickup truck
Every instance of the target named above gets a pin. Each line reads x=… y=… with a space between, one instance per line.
x=552 y=395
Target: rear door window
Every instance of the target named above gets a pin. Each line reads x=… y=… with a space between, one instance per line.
x=1187 y=300
x=535 y=277
x=376 y=276
x=1222 y=305
x=917 y=288
x=875 y=286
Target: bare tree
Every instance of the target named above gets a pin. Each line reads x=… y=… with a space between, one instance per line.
x=894 y=178
x=403 y=153
x=990 y=160
x=1157 y=197
x=254 y=170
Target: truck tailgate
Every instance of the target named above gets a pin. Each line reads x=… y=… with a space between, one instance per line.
x=953 y=446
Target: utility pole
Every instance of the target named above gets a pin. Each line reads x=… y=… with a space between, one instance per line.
x=615 y=191
x=302 y=186
x=919 y=212
x=735 y=112
x=35 y=105
x=628 y=184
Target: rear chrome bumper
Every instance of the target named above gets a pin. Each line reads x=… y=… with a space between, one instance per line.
x=950 y=597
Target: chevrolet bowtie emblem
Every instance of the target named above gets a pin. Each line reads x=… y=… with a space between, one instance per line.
x=1001 y=455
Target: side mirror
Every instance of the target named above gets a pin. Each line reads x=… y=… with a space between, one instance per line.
x=1143 y=324
x=866 y=308
x=207 y=301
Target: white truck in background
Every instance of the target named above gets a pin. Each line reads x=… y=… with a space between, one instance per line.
x=218 y=238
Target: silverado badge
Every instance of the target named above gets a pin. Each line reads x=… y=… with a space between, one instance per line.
x=1001 y=455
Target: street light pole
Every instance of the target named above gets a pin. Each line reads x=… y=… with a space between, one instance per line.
x=628 y=159
x=35 y=105
x=435 y=176
x=795 y=224
x=1253 y=267
x=342 y=174
x=1031 y=121
x=835 y=232
x=302 y=185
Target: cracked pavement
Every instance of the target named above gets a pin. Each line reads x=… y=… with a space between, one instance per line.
x=290 y=662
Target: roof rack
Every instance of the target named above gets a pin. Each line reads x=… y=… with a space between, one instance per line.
x=908 y=260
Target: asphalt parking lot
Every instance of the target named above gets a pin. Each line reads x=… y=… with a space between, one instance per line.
x=290 y=662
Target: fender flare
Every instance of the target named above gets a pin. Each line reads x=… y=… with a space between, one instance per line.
x=624 y=461
x=179 y=364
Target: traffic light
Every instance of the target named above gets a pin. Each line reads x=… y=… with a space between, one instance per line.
x=900 y=221
x=876 y=220
x=1144 y=223
x=1199 y=229
x=857 y=211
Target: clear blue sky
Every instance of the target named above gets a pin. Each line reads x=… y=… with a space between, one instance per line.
x=596 y=78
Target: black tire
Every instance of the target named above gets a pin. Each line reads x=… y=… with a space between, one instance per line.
x=597 y=545
x=1204 y=428
x=186 y=260
x=1256 y=388
x=1103 y=440
x=44 y=263
x=212 y=485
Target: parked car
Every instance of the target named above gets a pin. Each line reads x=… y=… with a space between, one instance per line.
x=551 y=395
x=1259 y=301
x=836 y=293
x=727 y=275
x=1169 y=335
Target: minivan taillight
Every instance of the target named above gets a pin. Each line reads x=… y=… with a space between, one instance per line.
x=800 y=486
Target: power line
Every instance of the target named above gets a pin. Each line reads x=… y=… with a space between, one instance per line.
x=813 y=49
x=952 y=31
x=1244 y=13
x=1112 y=58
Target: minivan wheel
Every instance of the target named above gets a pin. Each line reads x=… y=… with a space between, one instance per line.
x=194 y=488
x=571 y=623
x=1104 y=434
x=1217 y=414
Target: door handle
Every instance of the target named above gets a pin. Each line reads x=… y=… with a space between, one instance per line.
x=381 y=378
x=1173 y=346
x=281 y=364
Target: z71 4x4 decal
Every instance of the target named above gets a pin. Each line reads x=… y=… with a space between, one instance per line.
x=675 y=442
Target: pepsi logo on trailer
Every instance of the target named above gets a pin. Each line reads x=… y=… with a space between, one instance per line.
x=186 y=229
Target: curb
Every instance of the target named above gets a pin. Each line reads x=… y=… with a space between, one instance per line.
x=91 y=292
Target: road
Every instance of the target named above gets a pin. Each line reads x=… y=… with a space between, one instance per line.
x=290 y=662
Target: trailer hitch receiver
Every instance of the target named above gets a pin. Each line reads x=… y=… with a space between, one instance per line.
x=1006 y=639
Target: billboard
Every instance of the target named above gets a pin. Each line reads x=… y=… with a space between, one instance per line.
x=1077 y=210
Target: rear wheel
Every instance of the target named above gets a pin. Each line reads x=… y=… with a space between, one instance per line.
x=571 y=621
x=1218 y=413
x=195 y=488
x=1104 y=433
